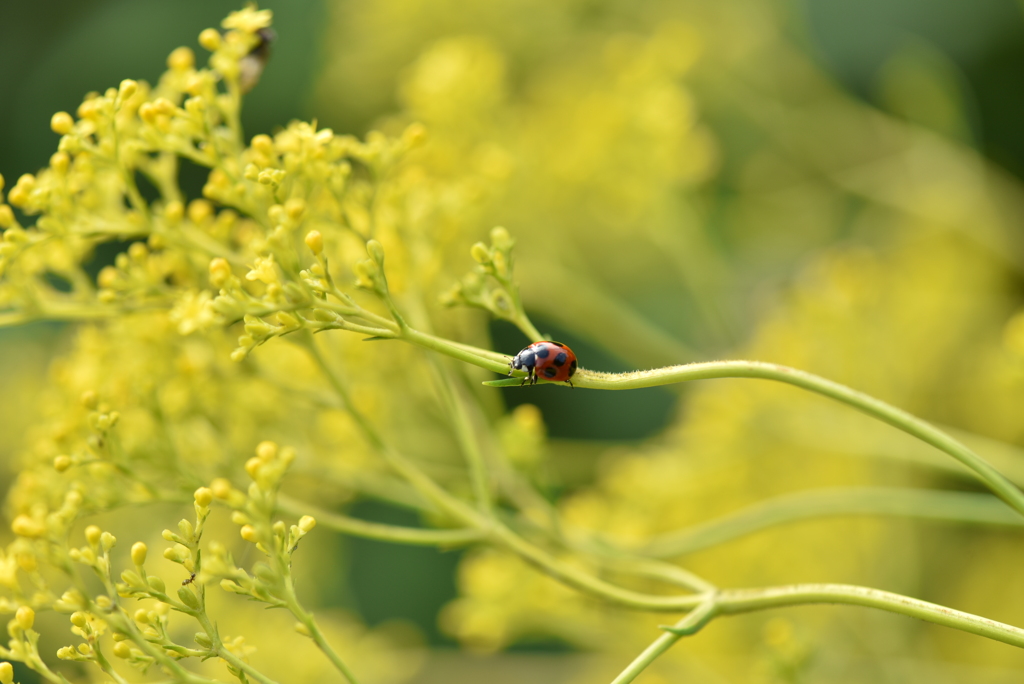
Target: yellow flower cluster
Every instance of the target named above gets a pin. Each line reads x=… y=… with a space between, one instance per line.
x=219 y=333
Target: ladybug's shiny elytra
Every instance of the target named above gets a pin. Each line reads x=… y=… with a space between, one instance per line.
x=548 y=360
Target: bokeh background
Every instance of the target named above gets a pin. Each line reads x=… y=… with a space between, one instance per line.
x=830 y=184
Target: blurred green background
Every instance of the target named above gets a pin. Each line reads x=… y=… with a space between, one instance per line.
x=801 y=184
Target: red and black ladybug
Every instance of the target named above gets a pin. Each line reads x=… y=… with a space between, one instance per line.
x=549 y=360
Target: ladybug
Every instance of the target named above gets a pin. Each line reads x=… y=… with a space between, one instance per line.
x=549 y=360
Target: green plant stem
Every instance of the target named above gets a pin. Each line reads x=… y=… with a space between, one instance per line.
x=665 y=572
x=227 y=656
x=727 y=601
x=430 y=490
x=478 y=357
x=737 y=601
x=962 y=507
x=315 y=634
x=875 y=408
x=690 y=624
x=464 y=435
x=127 y=626
x=105 y=665
x=381 y=532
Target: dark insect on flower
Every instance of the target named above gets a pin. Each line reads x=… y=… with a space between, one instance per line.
x=190 y=580
x=251 y=66
x=549 y=360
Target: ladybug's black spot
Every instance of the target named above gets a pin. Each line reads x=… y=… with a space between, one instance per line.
x=542 y=352
x=560 y=359
x=550 y=372
x=572 y=368
x=526 y=359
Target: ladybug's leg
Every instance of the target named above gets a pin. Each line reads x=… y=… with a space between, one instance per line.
x=570 y=384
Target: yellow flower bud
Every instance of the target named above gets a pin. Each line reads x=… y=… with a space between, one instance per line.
x=6 y=216
x=376 y=251
x=147 y=112
x=89 y=109
x=25 y=617
x=164 y=106
x=90 y=400
x=174 y=211
x=24 y=526
x=17 y=196
x=181 y=59
x=139 y=551
x=480 y=253
x=6 y=673
x=142 y=616
x=203 y=497
x=315 y=242
x=302 y=629
x=61 y=463
x=174 y=554
x=500 y=238
x=248 y=533
x=220 y=271
x=122 y=649
x=295 y=207
x=262 y=144
x=221 y=488
x=60 y=161
x=365 y=271
x=199 y=211
x=1 y=181
x=107 y=541
x=266 y=450
x=210 y=39
x=107 y=277
x=79 y=619
x=62 y=123
x=103 y=602
x=92 y=534
x=252 y=466
x=307 y=523
x=127 y=88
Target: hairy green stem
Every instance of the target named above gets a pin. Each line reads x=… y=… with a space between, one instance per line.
x=736 y=601
x=873 y=407
x=963 y=507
